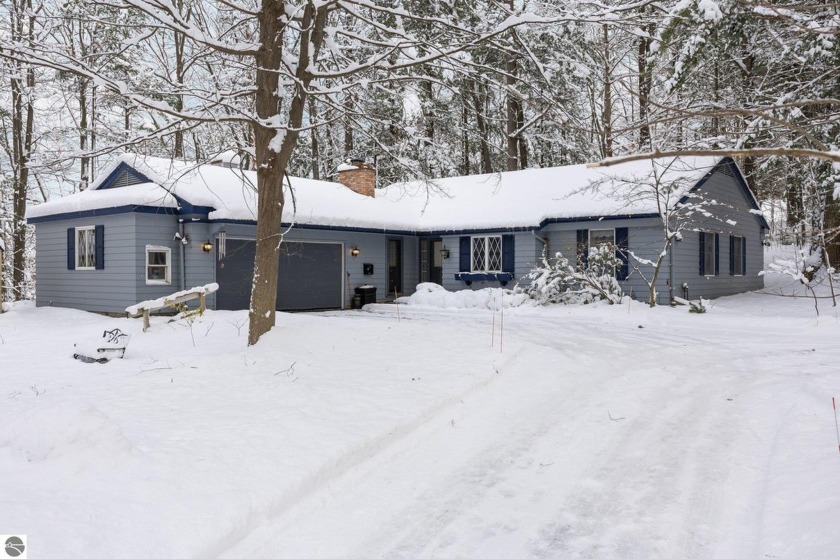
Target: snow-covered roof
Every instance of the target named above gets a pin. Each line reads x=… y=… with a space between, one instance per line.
x=144 y=194
x=518 y=199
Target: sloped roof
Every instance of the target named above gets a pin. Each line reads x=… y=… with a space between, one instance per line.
x=519 y=199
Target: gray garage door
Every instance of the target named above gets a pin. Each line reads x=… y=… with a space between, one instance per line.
x=310 y=276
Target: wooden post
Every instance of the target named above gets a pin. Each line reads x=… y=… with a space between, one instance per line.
x=146 y=324
x=201 y=304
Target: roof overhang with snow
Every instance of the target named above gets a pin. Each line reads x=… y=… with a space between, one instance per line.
x=509 y=201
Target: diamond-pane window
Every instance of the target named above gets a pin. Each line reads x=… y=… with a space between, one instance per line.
x=486 y=254
x=85 y=248
x=494 y=253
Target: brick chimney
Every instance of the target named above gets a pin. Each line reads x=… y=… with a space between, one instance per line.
x=358 y=176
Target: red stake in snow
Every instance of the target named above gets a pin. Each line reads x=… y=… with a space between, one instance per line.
x=837 y=429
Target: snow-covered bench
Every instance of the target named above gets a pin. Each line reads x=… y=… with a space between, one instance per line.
x=145 y=308
x=101 y=351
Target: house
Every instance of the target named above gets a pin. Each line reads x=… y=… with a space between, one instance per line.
x=148 y=226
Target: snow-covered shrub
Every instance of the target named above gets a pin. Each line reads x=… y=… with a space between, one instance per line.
x=598 y=276
x=557 y=280
x=552 y=281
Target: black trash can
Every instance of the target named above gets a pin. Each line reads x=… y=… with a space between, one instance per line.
x=366 y=293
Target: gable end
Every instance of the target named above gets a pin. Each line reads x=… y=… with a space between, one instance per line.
x=727 y=166
x=123 y=175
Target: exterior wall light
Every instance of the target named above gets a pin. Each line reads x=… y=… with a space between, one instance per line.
x=444 y=253
x=354 y=252
x=207 y=246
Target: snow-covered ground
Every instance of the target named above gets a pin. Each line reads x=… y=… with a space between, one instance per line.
x=594 y=431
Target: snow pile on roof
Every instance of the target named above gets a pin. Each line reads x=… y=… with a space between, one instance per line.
x=500 y=200
x=144 y=194
x=528 y=197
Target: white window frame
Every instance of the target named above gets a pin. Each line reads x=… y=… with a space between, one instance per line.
x=486 y=257
x=167 y=266
x=79 y=244
x=741 y=243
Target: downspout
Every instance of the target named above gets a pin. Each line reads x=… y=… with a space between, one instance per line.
x=543 y=241
x=183 y=255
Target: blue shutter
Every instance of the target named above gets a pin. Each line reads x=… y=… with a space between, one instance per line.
x=508 y=254
x=99 y=241
x=702 y=253
x=582 y=247
x=717 y=254
x=464 y=255
x=71 y=248
x=621 y=246
x=732 y=241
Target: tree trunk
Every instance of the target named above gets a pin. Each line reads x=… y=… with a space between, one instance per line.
x=313 y=134
x=606 y=113
x=84 y=160
x=348 y=129
x=480 y=101
x=513 y=109
x=22 y=86
x=831 y=229
x=465 y=137
x=645 y=84
x=180 y=42
x=272 y=160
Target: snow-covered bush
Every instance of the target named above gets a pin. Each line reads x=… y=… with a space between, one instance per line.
x=552 y=281
x=557 y=280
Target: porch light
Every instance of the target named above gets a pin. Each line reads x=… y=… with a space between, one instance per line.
x=355 y=251
x=444 y=253
x=207 y=246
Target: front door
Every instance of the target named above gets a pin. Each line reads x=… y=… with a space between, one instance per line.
x=431 y=261
x=394 y=267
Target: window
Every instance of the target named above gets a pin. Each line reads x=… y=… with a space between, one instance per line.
x=598 y=237
x=486 y=254
x=737 y=257
x=158 y=265
x=708 y=254
x=85 y=248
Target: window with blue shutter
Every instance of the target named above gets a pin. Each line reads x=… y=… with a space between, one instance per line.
x=86 y=248
x=486 y=258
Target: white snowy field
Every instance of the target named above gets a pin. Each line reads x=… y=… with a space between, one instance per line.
x=595 y=431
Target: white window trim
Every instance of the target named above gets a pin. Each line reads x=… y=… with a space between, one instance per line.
x=91 y=228
x=486 y=253
x=168 y=251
